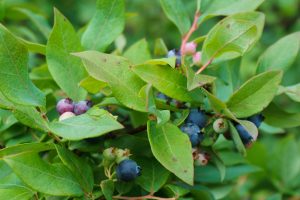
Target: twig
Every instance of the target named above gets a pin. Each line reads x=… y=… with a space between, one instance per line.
x=191 y=31
x=205 y=65
x=144 y=197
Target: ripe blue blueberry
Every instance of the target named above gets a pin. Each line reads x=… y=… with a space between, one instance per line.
x=82 y=106
x=193 y=131
x=197 y=117
x=65 y=105
x=128 y=170
x=246 y=137
x=256 y=119
x=175 y=53
x=162 y=96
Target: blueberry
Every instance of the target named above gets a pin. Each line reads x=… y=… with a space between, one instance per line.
x=65 y=105
x=162 y=96
x=177 y=54
x=256 y=119
x=82 y=106
x=189 y=48
x=193 y=131
x=197 y=117
x=128 y=170
x=246 y=137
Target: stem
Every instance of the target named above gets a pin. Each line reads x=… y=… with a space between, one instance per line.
x=204 y=66
x=191 y=31
x=144 y=197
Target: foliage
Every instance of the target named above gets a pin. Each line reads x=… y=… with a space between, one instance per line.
x=222 y=66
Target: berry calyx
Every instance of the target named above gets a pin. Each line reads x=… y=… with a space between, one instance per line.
x=189 y=48
x=82 y=106
x=197 y=58
x=128 y=170
x=256 y=119
x=201 y=160
x=220 y=125
x=66 y=115
x=65 y=105
x=197 y=117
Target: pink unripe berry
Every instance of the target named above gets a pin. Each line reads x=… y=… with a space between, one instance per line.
x=65 y=105
x=197 y=58
x=66 y=115
x=189 y=48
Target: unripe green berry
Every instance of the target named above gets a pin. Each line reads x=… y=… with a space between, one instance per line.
x=122 y=155
x=220 y=125
x=109 y=154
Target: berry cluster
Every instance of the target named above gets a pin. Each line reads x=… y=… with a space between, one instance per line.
x=189 y=49
x=67 y=108
x=126 y=169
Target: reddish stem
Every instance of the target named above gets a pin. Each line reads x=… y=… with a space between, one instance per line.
x=204 y=66
x=193 y=28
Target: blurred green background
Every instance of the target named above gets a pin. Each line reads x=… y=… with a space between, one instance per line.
x=277 y=152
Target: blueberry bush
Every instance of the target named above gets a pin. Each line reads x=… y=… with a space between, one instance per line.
x=163 y=100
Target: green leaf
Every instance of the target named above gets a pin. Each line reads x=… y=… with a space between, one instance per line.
x=220 y=165
x=34 y=47
x=228 y=7
x=94 y=123
x=160 y=48
x=106 y=25
x=154 y=175
x=92 y=85
x=53 y=179
x=6 y=120
x=197 y=80
x=163 y=61
x=176 y=12
x=210 y=174
x=108 y=187
x=38 y=20
x=237 y=140
x=79 y=167
x=11 y=187
x=293 y=92
x=277 y=117
x=232 y=37
x=172 y=149
x=116 y=71
x=168 y=81
x=255 y=94
x=281 y=55
x=29 y=116
x=66 y=70
x=25 y=148
x=218 y=105
x=138 y=53
x=15 y=84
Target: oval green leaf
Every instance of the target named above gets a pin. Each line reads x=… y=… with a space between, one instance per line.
x=15 y=84
x=255 y=94
x=172 y=149
x=66 y=70
x=233 y=36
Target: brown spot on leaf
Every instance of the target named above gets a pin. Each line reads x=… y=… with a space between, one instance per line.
x=174 y=159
